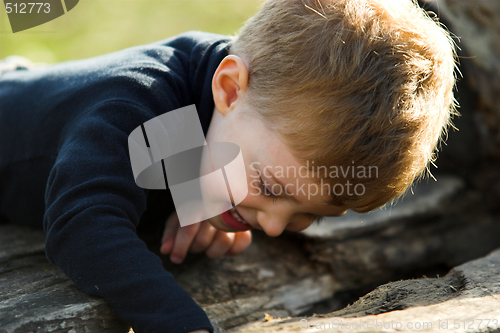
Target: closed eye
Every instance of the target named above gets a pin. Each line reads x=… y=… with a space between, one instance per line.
x=267 y=193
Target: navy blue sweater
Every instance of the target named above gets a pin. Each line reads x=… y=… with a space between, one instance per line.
x=64 y=160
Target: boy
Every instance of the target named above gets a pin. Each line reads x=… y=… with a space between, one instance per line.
x=326 y=84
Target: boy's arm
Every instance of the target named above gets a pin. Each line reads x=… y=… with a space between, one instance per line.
x=93 y=207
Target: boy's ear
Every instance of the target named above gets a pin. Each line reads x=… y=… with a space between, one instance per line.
x=229 y=83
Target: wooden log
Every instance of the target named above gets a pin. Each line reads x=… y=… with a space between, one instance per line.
x=37 y=297
x=465 y=300
x=439 y=227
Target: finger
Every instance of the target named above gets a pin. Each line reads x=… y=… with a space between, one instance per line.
x=242 y=240
x=182 y=242
x=171 y=227
x=203 y=238
x=221 y=244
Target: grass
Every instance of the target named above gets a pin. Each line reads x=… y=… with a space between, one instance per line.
x=96 y=27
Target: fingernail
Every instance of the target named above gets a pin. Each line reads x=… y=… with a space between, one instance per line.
x=175 y=259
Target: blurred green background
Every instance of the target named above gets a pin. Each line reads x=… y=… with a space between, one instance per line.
x=96 y=27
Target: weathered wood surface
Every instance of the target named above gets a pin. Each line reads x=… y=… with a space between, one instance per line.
x=465 y=300
x=35 y=295
x=440 y=226
x=477 y=27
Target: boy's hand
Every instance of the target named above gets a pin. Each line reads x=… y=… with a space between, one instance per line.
x=200 y=237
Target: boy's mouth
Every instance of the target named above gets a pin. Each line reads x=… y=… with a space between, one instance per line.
x=235 y=221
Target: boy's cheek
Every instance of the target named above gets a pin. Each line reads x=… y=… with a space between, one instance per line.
x=220 y=189
x=215 y=195
x=300 y=225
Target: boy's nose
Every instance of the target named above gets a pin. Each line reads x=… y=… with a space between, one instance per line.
x=272 y=224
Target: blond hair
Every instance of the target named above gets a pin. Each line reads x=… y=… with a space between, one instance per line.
x=352 y=83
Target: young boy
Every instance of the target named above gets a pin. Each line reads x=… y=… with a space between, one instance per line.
x=325 y=85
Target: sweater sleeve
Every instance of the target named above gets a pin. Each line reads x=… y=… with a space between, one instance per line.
x=93 y=207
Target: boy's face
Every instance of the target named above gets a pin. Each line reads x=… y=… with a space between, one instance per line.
x=280 y=194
